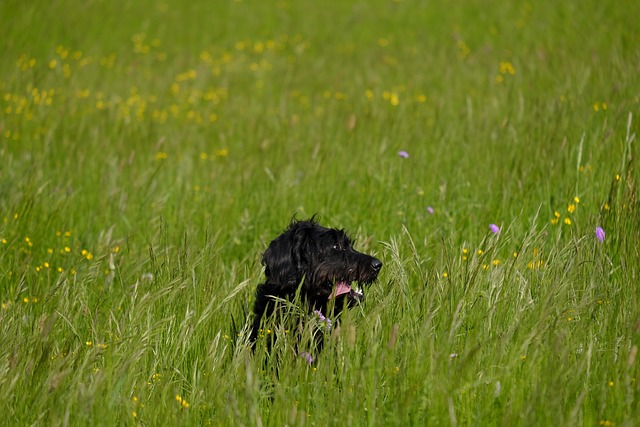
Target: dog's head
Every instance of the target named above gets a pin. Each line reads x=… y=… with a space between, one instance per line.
x=323 y=260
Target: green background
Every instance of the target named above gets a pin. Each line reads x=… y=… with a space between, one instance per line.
x=150 y=151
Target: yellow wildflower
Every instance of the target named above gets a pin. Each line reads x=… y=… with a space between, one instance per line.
x=182 y=401
x=506 y=67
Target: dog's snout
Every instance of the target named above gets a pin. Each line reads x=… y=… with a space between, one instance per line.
x=376 y=264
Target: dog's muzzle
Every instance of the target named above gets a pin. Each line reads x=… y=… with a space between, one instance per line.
x=353 y=293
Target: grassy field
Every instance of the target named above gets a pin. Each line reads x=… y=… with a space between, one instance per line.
x=150 y=150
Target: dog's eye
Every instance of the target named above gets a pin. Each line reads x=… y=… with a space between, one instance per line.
x=337 y=247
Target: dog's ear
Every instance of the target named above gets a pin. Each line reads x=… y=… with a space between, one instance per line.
x=278 y=262
x=286 y=258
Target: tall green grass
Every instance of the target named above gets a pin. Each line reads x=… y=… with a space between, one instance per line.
x=151 y=150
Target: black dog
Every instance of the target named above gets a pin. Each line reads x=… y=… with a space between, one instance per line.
x=318 y=263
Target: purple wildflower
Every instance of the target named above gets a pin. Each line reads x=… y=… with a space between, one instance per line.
x=600 y=234
x=307 y=357
x=323 y=318
x=494 y=228
x=430 y=210
x=403 y=154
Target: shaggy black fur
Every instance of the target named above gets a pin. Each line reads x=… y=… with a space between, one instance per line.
x=318 y=263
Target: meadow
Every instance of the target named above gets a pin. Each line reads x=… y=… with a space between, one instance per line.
x=486 y=152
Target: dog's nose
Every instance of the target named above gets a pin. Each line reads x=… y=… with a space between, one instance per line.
x=376 y=264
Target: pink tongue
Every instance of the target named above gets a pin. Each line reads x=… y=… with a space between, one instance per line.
x=341 y=289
